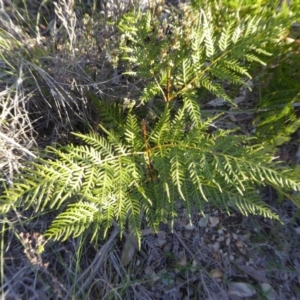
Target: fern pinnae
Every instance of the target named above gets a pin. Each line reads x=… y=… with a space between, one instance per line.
x=98 y=142
x=73 y=221
x=215 y=89
x=161 y=131
x=133 y=133
x=134 y=208
x=131 y=170
x=208 y=36
x=226 y=33
x=192 y=107
x=176 y=170
x=252 y=204
x=237 y=33
x=254 y=58
x=196 y=176
x=233 y=65
x=90 y=180
x=226 y=74
x=72 y=185
x=110 y=114
x=108 y=214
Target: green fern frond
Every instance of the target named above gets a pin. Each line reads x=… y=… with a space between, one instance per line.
x=177 y=169
x=212 y=55
x=208 y=35
x=161 y=131
x=226 y=33
x=73 y=222
x=133 y=133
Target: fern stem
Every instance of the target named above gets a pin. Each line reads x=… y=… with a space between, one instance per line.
x=168 y=86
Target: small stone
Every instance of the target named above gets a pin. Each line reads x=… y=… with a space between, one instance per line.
x=203 y=222
x=228 y=242
x=240 y=290
x=246 y=236
x=220 y=231
x=216 y=273
x=216 y=246
x=160 y=243
x=189 y=227
x=214 y=221
x=181 y=259
x=221 y=239
x=195 y=266
x=269 y=292
x=148 y=270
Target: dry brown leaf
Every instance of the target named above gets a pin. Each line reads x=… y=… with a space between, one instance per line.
x=216 y=273
x=217 y=102
x=258 y=275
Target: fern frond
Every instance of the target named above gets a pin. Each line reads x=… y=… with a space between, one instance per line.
x=98 y=143
x=161 y=131
x=192 y=107
x=134 y=214
x=133 y=133
x=72 y=222
x=226 y=33
x=177 y=170
x=208 y=35
x=215 y=89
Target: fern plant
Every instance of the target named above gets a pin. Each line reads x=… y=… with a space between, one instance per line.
x=196 y=52
x=137 y=166
x=131 y=173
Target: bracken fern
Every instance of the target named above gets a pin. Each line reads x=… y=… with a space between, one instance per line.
x=137 y=167
x=132 y=173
